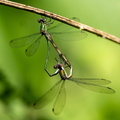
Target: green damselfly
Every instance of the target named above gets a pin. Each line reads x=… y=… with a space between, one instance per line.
x=94 y=84
x=61 y=32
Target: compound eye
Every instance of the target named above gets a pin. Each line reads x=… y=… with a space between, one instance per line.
x=39 y=20
x=55 y=66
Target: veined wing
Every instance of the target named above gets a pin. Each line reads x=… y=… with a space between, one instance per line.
x=66 y=32
x=31 y=50
x=70 y=35
x=98 y=81
x=93 y=86
x=20 y=42
x=47 y=97
x=60 y=100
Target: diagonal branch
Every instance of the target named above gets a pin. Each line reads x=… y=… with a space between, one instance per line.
x=61 y=18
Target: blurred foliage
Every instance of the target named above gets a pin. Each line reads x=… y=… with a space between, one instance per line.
x=23 y=79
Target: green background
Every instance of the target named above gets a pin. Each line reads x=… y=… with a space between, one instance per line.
x=23 y=79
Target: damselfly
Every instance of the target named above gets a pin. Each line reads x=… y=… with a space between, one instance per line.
x=94 y=84
x=34 y=39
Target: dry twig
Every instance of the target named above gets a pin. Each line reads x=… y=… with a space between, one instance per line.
x=60 y=18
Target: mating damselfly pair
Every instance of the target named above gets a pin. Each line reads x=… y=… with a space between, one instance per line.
x=63 y=33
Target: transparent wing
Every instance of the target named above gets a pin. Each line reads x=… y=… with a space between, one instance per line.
x=60 y=100
x=97 y=81
x=90 y=85
x=70 y=35
x=31 y=50
x=47 y=97
x=66 y=32
x=20 y=42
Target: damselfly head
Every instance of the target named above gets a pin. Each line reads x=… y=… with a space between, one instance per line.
x=59 y=66
x=42 y=20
